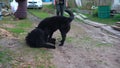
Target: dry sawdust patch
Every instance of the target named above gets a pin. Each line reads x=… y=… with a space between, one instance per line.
x=8 y=25
x=5 y=33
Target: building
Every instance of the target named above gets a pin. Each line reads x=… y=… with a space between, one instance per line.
x=116 y=5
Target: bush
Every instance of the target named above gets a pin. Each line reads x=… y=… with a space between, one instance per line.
x=117 y=17
x=95 y=12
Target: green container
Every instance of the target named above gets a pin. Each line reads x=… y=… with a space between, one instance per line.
x=103 y=11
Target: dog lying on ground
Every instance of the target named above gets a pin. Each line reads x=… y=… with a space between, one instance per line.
x=36 y=39
x=51 y=24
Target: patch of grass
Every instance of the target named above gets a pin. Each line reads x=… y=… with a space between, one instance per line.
x=49 y=6
x=4 y=58
x=2 y=55
x=86 y=39
x=41 y=56
x=16 y=30
x=109 y=21
x=25 y=24
x=49 y=9
x=39 y=13
x=69 y=39
x=117 y=17
x=41 y=66
x=20 y=26
x=104 y=44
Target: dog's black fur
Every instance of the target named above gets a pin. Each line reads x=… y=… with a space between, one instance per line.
x=51 y=24
x=36 y=39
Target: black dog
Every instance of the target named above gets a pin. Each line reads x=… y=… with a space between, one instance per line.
x=36 y=39
x=51 y=24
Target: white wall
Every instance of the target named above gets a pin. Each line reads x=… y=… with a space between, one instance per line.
x=116 y=6
x=115 y=3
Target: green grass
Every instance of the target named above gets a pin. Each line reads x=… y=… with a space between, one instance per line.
x=24 y=24
x=20 y=29
x=69 y=39
x=49 y=9
x=16 y=30
x=103 y=44
x=46 y=11
x=109 y=21
x=4 y=57
x=39 y=13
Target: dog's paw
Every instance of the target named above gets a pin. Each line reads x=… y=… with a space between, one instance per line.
x=60 y=44
x=53 y=47
x=52 y=40
x=49 y=45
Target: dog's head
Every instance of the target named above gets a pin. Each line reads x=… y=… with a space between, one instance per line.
x=35 y=38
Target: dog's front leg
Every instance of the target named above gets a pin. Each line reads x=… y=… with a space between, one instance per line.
x=63 y=39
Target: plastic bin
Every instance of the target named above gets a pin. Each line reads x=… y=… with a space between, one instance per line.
x=103 y=11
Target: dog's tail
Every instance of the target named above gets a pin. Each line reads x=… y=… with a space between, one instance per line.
x=70 y=13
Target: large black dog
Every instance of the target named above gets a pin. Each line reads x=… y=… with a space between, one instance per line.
x=41 y=35
x=51 y=24
x=36 y=39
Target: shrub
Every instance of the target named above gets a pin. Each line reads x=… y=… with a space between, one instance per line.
x=117 y=17
x=95 y=12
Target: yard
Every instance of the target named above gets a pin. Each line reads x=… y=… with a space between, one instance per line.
x=85 y=46
x=108 y=21
x=14 y=53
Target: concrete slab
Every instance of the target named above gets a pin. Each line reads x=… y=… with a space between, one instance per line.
x=92 y=23
x=105 y=27
x=110 y=30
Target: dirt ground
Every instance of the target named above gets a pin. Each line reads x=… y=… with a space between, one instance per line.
x=88 y=47
x=85 y=47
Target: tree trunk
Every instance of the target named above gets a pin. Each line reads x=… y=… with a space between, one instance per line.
x=22 y=9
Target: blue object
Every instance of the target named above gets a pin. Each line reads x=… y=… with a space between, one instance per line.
x=46 y=0
x=0 y=11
